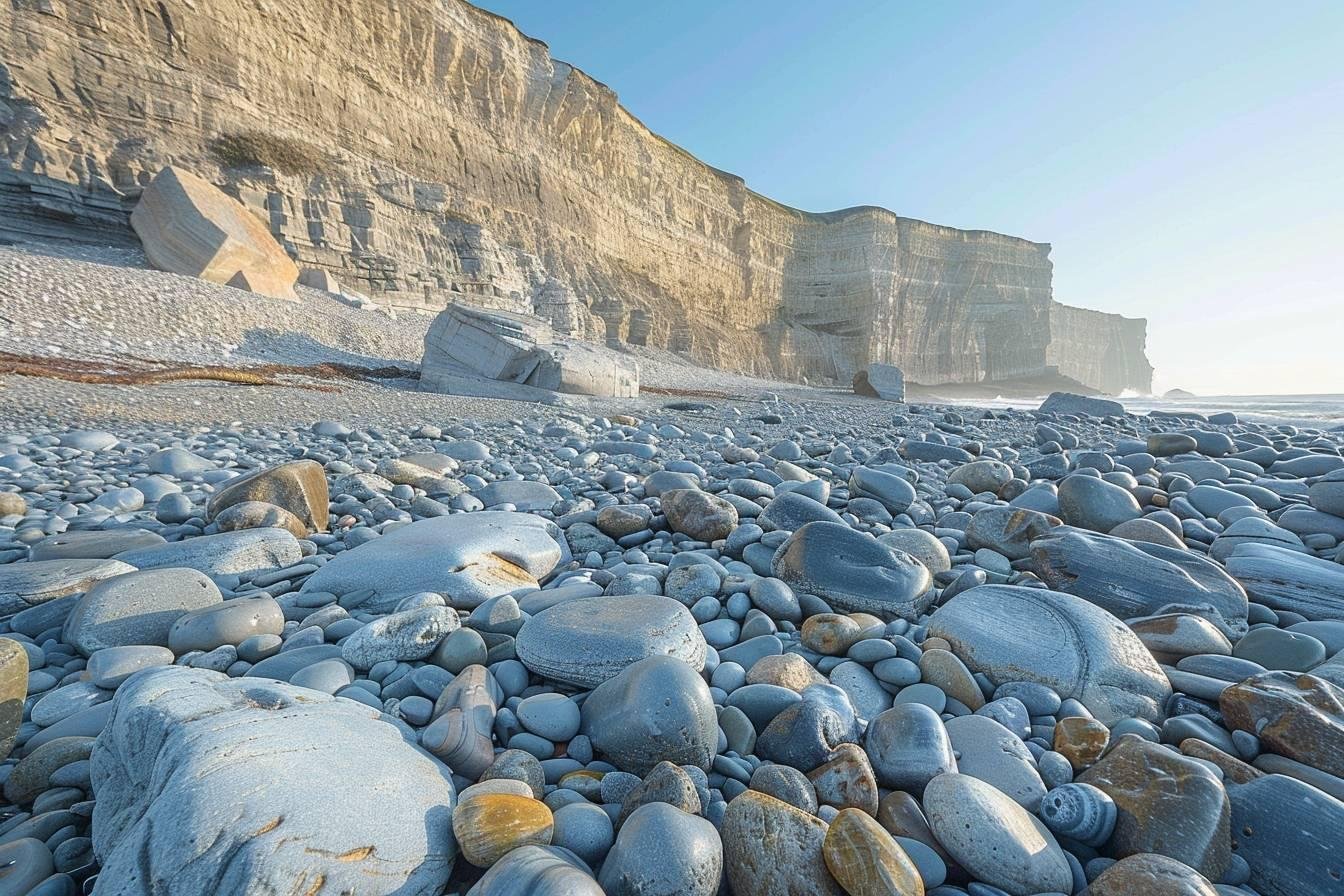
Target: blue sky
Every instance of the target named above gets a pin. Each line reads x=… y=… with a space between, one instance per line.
x=1186 y=160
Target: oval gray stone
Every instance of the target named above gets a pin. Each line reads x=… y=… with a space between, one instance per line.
x=183 y=744
x=230 y=622
x=137 y=608
x=1077 y=649
x=994 y=838
x=853 y=571
x=588 y=640
x=467 y=557
x=657 y=709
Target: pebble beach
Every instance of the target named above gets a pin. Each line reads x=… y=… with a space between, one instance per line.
x=762 y=641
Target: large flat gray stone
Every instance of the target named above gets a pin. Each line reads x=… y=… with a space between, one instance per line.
x=206 y=784
x=466 y=557
x=1012 y=633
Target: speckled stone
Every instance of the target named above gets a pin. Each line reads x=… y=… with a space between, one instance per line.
x=1166 y=803
x=1150 y=875
x=1296 y=715
x=865 y=860
x=587 y=641
x=846 y=780
x=701 y=515
x=994 y=838
x=988 y=751
x=657 y=708
x=770 y=847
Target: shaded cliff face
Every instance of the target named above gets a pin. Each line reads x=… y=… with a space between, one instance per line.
x=1106 y=351
x=426 y=151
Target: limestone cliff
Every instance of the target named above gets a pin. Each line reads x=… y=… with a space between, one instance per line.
x=1105 y=351
x=426 y=151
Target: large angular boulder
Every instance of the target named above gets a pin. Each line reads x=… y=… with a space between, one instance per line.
x=885 y=381
x=467 y=557
x=1166 y=803
x=189 y=226
x=1289 y=833
x=1013 y=633
x=207 y=784
x=515 y=348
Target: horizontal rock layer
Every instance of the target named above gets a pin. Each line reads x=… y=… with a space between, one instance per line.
x=427 y=152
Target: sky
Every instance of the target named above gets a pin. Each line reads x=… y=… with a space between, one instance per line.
x=1185 y=160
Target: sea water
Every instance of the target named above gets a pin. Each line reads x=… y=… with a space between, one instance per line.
x=1324 y=411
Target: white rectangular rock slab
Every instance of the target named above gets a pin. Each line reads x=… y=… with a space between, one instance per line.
x=515 y=348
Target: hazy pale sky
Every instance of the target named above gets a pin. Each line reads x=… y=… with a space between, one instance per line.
x=1186 y=160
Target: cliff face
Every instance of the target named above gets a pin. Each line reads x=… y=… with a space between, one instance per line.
x=426 y=151
x=1103 y=350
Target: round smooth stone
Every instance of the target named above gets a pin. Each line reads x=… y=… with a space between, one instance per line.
x=328 y=676
x=1275 y=648
x=137 y=608
x=586 y=641
x=661 y=849
x=923 y=693
x=111 y=666
x=462 y=647
x=908 y=747
x=552 y=716
x=657 y=708
x=1080 y=812
x=584 y=829
x=229 y=622
x=1092 y=503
